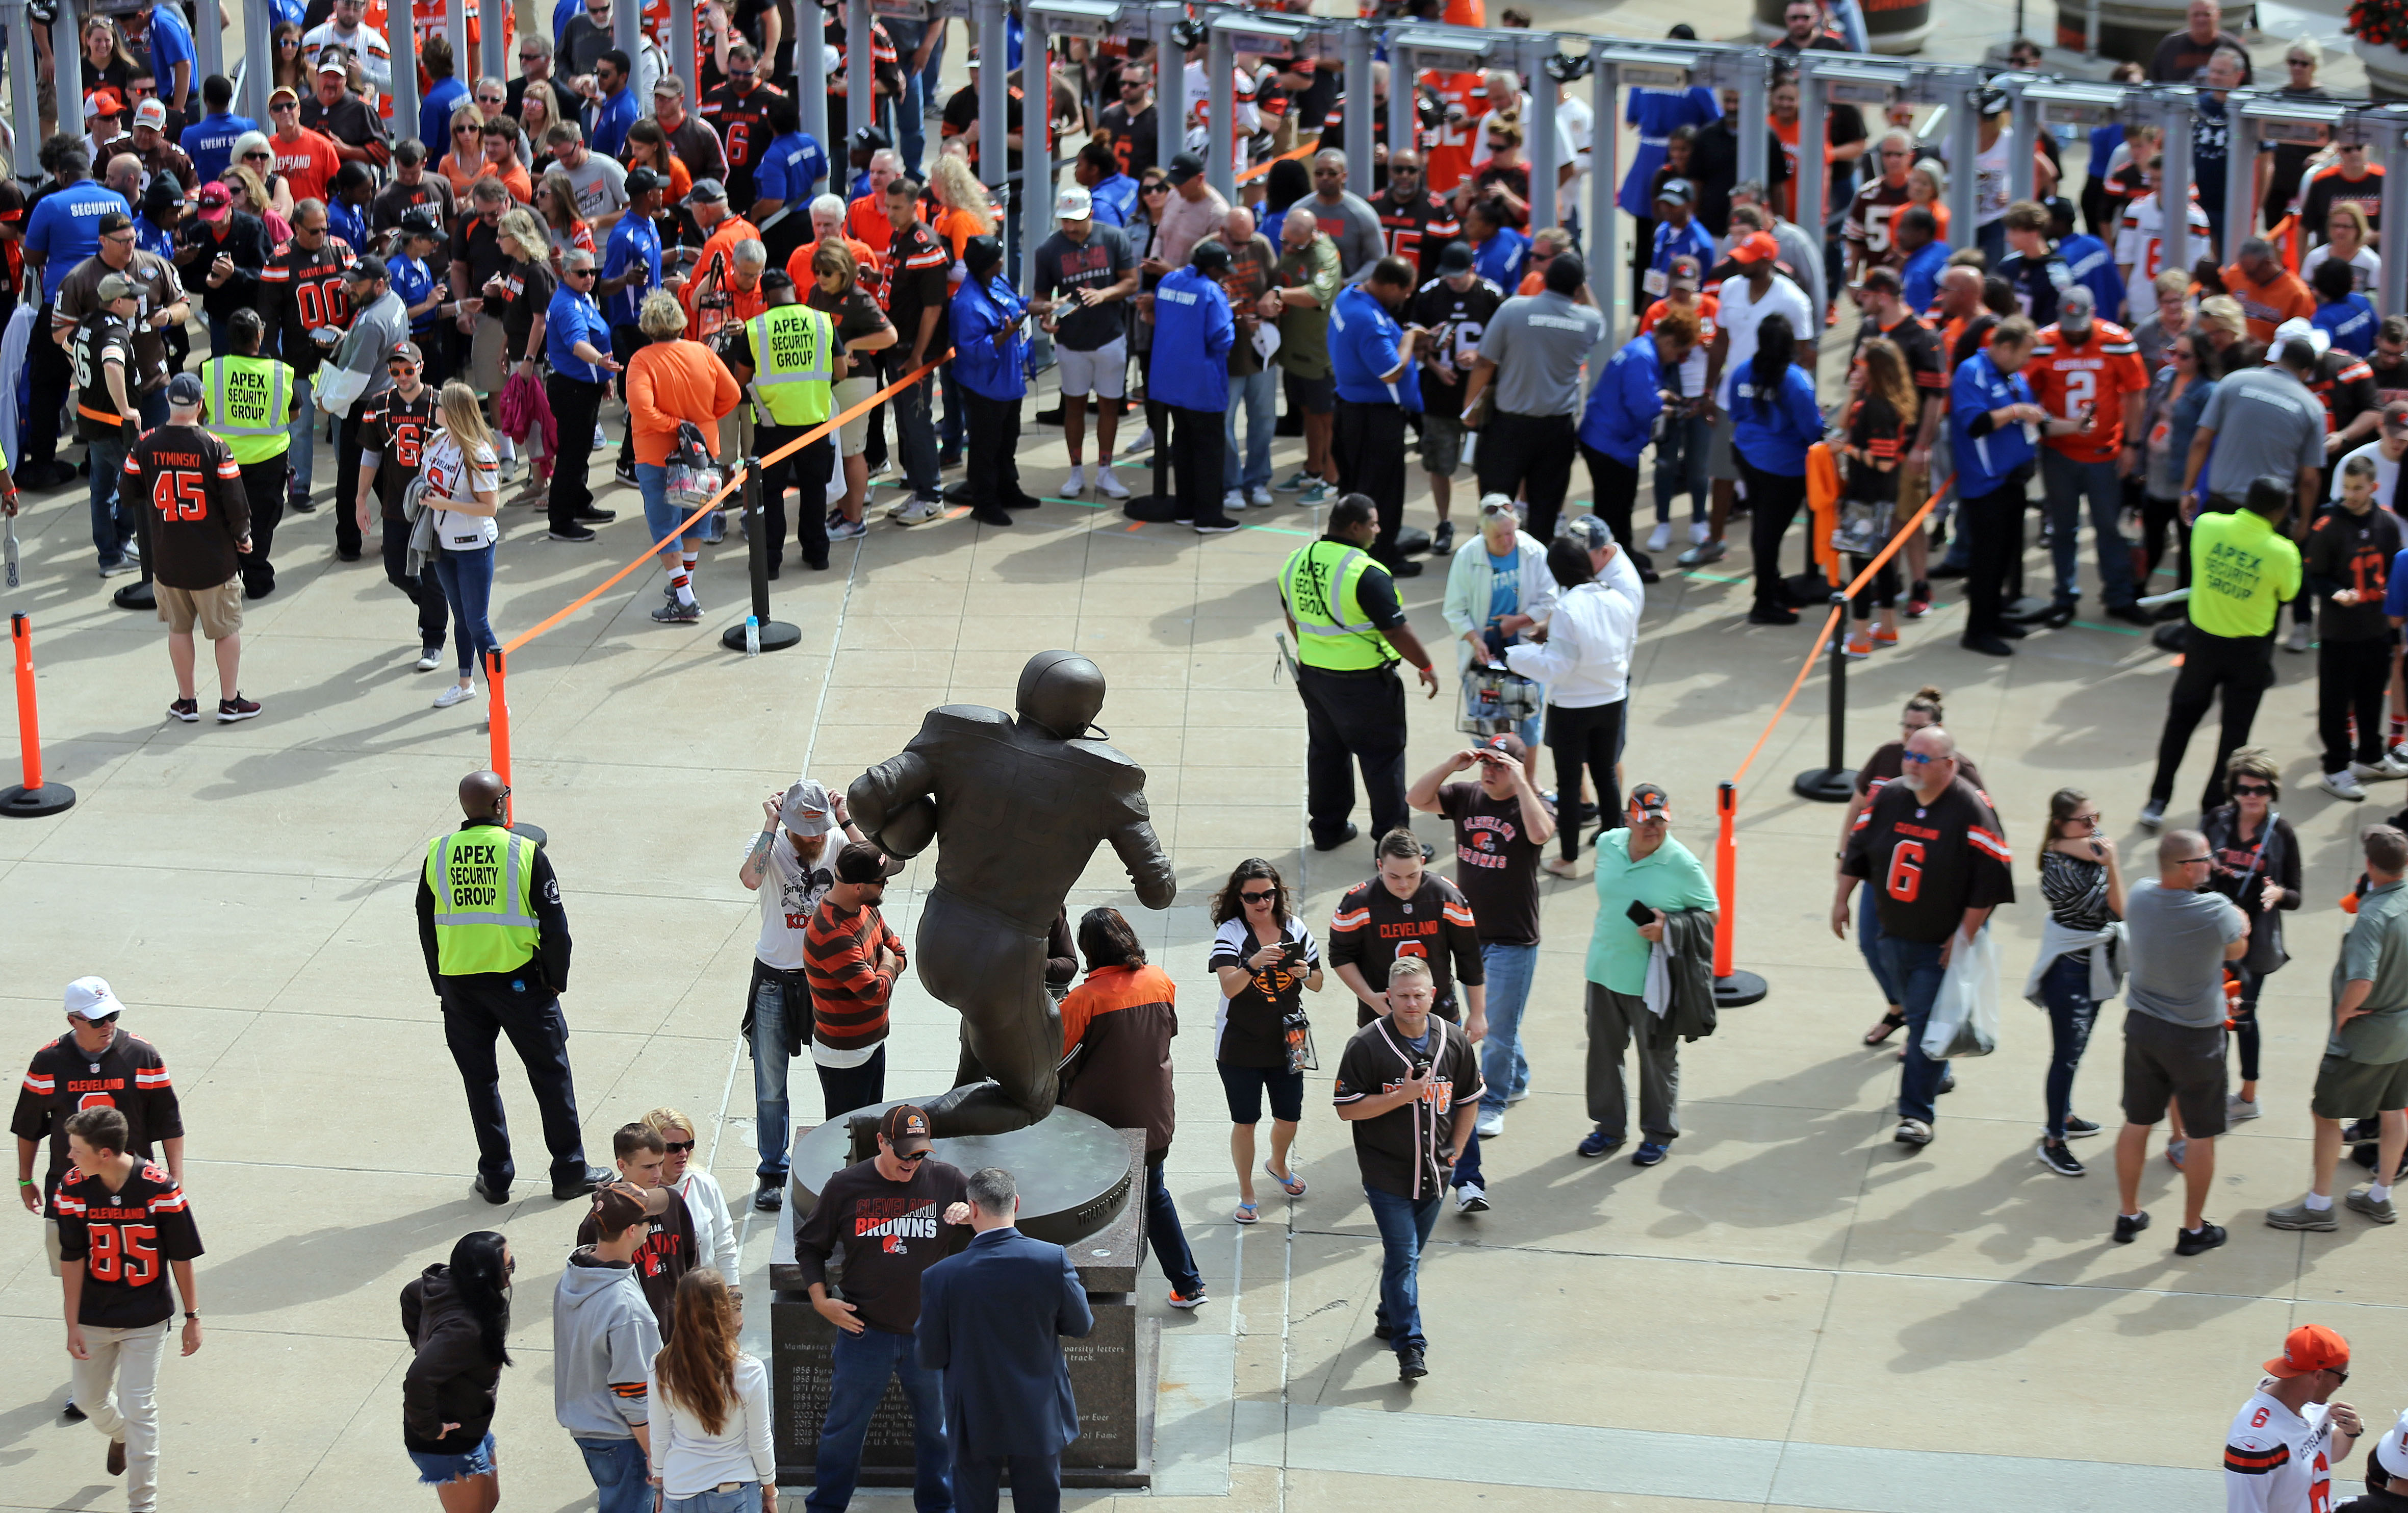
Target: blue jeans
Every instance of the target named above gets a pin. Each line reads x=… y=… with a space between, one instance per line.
x=1869 y=939
x=859 y=1366
x=1169 y=1240
x=1502 y=1065
x=744 y=1497
x=1404 y=1228
x=112 y=522
x=1257 y=395
x=2066 y=986
x=620 y=1475
x=769 y=1065
x=1680 y=466
x=2064 y=481
x=468 y=580
x=1914 y=967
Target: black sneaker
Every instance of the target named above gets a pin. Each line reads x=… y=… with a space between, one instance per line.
x=1411 y=1365
x=72 y=1413
x=675 y=613
x=2206 y=1237
x=2079 y=1129
x=189 y=710
x=236 y=707
x=574 y=533
x=625 y=472
x=2127 y=1227
x=591 y=516
x=2054 y=1156
x=772 y=1195
x=299 y=504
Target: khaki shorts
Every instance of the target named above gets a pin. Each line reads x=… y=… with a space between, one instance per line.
x=50 y=1246
x=853 y=437
x=2348 y=1090
x=485 y=357
x=1721 y=461
x=1441 y=442
x=218 y=611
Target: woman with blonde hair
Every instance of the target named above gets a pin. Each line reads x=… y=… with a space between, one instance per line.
x=709 y=1445
x=1880 y=423
x=963 y=209
x=2347 y=232
x=465 y=162
x=538 y=111
x=462 y=475
x=671 y=381
x=253 y=160
x=555 y=200
x=524 y=292
x=714 y=1230
x=2253 y=861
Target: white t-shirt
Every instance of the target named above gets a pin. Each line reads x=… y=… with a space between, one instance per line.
x=789 y=890
x=2140 y=243
x=450 y=477
x=1741 y=315
x=2276 y=1461
x=2368 y=262
x=1576 y=120
x=368 y=48
x=2387 y=475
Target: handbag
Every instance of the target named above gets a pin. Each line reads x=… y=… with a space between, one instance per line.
x=1296 y=1035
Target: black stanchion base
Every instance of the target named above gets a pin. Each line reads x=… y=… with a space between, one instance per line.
x=33 y=803
x=2169 y=637
x=136 y=597
x=958 y=493
x=775 y=636
x=2030 y=606
x=1737 y=990
x=1826 y=785
x=1809 y=590
x=529 y=832
x=1412 y=540
x=1151 y=509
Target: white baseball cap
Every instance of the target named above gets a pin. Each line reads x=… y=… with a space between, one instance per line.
x=150 y=113
x=1074 y=204
x=807 y=810
x=89 y=999
x=2302 y=328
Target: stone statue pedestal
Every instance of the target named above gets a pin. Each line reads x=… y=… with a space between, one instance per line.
x=1077 y=1178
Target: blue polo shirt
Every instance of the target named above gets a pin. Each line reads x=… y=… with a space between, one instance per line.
x=788 y=169
x=634 y=242
x=1499 y=259
x=979 y=312
x=1365 y=342
x=66 y=229
x=1193 y=333
x=1921 y=276
x=1771 y=435
x=348 y=223
x=209 y=143
x=1983 y=463
x=572 y=318
x=412 y=281
x=608 y=132
x=171 y=43
x=1692 y=240
x=1623 y=402
x=2094 y=267
x=2350 y=323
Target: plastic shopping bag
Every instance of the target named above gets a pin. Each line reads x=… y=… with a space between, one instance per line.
x=1965 y=1017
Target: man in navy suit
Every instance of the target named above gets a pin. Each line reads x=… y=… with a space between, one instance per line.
x=988 y=1320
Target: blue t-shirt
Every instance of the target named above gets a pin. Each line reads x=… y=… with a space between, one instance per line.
x=1771 y=432
x=1983 y=461
x=209 y=143
x=788 y=169
x=1504 y=583
x=435 y=114
x=607 y=130
x=150 y=236
x=634 y=242
x=565 y=12
x=412 y=281
x=2092 y=266
x=64 y=229
x=1692 y=240
x=1500 y=257
x=1921 y=275
x=348 y=223
x=2351 y=324
x=171 y=43
x=1365 y=345
x=1115 y=201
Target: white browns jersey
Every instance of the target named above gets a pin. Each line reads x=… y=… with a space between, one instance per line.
x=2276 y=1461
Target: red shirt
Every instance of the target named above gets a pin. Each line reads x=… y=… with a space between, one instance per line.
x=308 y=161
x=2065 y=376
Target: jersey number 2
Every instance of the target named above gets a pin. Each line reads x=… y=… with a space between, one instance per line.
x=180 y=495
x=1905 y=878
x=124 y=1252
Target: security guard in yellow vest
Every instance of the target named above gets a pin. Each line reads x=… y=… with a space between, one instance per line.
x=786 y=358
x=249 y=403
x=497 y=944
x=1350 y=630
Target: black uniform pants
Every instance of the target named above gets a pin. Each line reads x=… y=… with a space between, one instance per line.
x=1618 y=492
x=2240 y=667
x=1591 y=737
x=37 y=439
x=1772 y=503
x=575 y=404
x=1368 y=444
x=994 y=438
x=2352 y=677
x=1349 y=719
x=1199 y=442
x=262 y=489
x=347 y=485
x=807 y=470
x=1993 y=525
x=474 y=1016
x=434 y=611
x=1530 y=455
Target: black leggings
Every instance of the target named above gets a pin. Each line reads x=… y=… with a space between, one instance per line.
x=2160 y=518
x=1590 y=735
x=1773 y=500
x=1881 y=592
x=2244 y=1020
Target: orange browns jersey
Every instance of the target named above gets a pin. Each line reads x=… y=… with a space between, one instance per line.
x=2267 y=305
x=1452 y=148
x=1707 y=307
x=2100 y=371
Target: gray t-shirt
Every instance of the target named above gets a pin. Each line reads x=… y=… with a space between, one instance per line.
x=2175 y=949
x=1352 y=225
x=378 y=330
x=1538 y=342
x=601 y=186
x=1098 y=263
x=2265 y=422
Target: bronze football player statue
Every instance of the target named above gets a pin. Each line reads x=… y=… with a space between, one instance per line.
x=1016 y=807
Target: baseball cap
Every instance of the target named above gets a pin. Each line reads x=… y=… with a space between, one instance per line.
x=1676 y=191
x=906 y=1128
x=421 y=220
x=2395 y=414
x=861 y=862
x=117 y=286
x=1457 y=258
x=329 y=63
x=152 y=114
x=1074 y=204
x=1186 y=165
x=1210 y=256
x=641 y=179
x=216 y=201
x=807 y=810
x=1647 y=802
x=2302 y=328
x=112 y=222
x=1756 y=247
x=2387 y=1456
x=870 y=138
x=1685 y=269
x=1507 y=743
x=2079 y=298
x=616 y=1206
x=1587 y=532
x=407 y=353
x=369 y=269
x=2306 y=1348
x=184 y=389
x=284 y=92
x=776 y=278
x=707 y=190
x=102 y=102
x=89 y=999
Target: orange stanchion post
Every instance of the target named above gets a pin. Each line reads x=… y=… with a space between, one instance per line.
x=497 y=689
x=1732 y=987
x=33 y=798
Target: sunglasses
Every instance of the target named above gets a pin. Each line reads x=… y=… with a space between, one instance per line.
x=104 y=1021
x=580 y=273
x=911 y=1158
x=2188 y=861
x=401 y=366
x=510 y=1267
x=1918 y=758
x=530 y=57
x=1157 y=187
x=489 y=99
x=681 y=1148
x=456 y=131
x=1260 y=895
x=256 y=157
x=2252 y=788
x=279 y=109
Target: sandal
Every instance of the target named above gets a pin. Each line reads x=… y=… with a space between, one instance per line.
x=1246 y=1213
x=1890 y=1024
x=1291 y=1184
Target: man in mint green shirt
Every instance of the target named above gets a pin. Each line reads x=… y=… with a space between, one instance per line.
x=1641 y=865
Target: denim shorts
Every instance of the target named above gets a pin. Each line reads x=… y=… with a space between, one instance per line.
x=435 y=1470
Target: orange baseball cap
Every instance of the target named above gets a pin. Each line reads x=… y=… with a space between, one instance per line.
x=1756 y=247
x=2310 y=1347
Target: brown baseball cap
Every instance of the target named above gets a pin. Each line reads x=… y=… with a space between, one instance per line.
x=617 y=1206
x=906 y=1128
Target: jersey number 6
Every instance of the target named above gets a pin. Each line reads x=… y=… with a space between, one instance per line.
x=1905 y=878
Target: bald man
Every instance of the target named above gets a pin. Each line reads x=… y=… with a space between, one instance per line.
x=496 y=943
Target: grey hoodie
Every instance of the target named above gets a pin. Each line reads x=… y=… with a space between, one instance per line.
x=603 y=1341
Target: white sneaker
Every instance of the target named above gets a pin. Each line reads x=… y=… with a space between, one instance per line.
x=1471 y=1198
x=1492 y=1123
x=429 y=661
x=452 y=695
x=919 y=512
x=2380 y=771
x=2298 y=639
x=1076 y=484
x=1259 y=496
x=1233 y=502
x=1144 y=442
x=601 y=442
x=1698 y=531
x=1112 y=488
x=1661 y=537
x=2342 y=785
